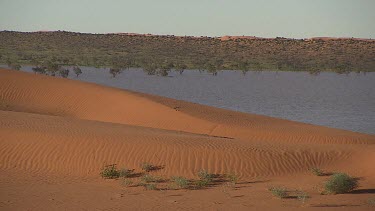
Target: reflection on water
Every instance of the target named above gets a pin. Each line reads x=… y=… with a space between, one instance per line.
x=329 y=99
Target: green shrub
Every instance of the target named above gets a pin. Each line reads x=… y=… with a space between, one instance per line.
x=302 y=196
x=202 y=183
x=317 y=171
x=233 y=178
x=149 y=178
x=371 y=202
x=204 y=175
x=147 y=167
x=125 y=172
x=279 y=192
x=126 y=182
x=110 y=172
x=181 y=182
x=340 y=183
x=205 y=179
x=150 y=186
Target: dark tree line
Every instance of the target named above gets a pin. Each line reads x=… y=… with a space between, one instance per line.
x=203 y=53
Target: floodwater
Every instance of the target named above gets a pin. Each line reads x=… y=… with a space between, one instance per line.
x=328 y=99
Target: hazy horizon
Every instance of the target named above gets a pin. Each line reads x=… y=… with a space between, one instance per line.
x=270 y=18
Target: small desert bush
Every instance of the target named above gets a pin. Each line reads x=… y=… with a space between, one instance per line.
x=205 y=179
x=147 y=167
x=149 y=178
x=371 y=202
x=125 y=172
x=204 y=175
x=279 y=192
x=126 y=182
x=150 y=186
x=180 y=182
x=233 y=178
x=302 y=196
x=317 y=171
x=110 y=172
x=3 y=105
x=201 y=183
x=340 y=183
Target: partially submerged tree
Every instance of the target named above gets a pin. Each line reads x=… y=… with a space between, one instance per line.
x=180 y=68
x=39 y=70
x=150 y=69
x=64 y=73
x=52 y=67
x=115 y=71
x=243 y=66
x=12 y=64
x=15 y=66
x=165 y=68
x=77 y=71
x=211 y=69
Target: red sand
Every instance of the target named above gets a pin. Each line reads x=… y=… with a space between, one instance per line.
x=56 y=135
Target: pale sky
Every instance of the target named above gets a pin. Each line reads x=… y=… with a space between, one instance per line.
x=263 y=18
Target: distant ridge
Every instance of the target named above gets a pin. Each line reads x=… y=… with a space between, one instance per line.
x=154 y=52
x=223 y=38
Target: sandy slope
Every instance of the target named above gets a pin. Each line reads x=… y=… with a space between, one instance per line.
x=63 y=131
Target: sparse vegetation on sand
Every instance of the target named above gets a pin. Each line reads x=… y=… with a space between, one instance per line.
x=279 y=192
x=205 y=179
x=176 y=182
x=180 y=182
x=110 y=172
x=150 y=186
x=150 y=178
x=148 y=167
x=340 y=183
x=302 y=196
x=204 y=175
x=126 y=182
x=317 y=171
x=336 y=184
x=232 y=178
x=125 y=172
x=371 y=201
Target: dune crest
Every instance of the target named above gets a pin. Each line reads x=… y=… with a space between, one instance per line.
x=25 y=92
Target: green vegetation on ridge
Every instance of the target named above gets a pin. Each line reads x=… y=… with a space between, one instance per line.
x=160 y=54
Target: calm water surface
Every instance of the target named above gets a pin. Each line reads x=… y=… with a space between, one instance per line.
x=328 y=99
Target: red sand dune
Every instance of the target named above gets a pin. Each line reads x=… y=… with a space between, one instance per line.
x=56 y=134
